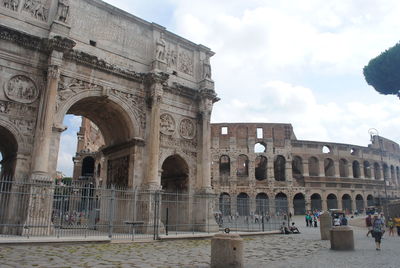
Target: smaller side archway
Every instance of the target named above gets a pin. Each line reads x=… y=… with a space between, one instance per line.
x=262 y=204
x=316 y=202
x=281 y=203
x=359 y=203
x=225 y=204
x=370 y=200
x=346 y=203
x=88 y=167
x=299 y=204
x=331 y=201
x=243 y=204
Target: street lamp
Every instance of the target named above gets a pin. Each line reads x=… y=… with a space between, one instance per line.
x=374 y=132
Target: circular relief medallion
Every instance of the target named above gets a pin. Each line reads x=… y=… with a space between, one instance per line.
x=187 y=129
x=167 y=124
x=22 y=89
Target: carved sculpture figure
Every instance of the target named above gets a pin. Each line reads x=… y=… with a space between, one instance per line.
x=167 y=124
x=160 y=48
x=206 y=68
x=11 y=4
x=63 y=10
x=187 y=129
x=22 y=89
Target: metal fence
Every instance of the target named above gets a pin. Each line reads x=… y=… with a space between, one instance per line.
x=79 y=209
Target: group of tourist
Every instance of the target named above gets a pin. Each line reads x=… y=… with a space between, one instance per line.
x=289 y=229
x=376 y=227
x=312 y=218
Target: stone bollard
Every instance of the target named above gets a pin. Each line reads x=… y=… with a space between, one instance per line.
x=342 y=238
x=226 y=251
x=325 y=225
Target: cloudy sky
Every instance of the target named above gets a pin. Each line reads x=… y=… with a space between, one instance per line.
x=287 y=61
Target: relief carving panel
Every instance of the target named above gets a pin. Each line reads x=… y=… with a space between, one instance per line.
x=186 y=61
x=11 y=4
x=167 y=124
x=187 y=128
x=39 y=9
x=21 y=89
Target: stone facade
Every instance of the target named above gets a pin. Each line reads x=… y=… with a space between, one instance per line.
x=266 y=161
x=148 y=90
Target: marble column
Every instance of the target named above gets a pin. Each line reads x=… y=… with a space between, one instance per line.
x=153 y=180
x=44 y=126
x=207 y=98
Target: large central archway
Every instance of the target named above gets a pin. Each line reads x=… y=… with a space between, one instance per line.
x=8 y=154
x=118 y=130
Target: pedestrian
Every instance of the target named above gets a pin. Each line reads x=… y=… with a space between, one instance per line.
x=390 y=225
x=397 y=224
x=343 y=220
x=377 y=229
x=368 y=223
x=315 y=222
x=306 y=220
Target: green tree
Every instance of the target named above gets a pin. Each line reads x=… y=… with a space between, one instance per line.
x=383 y=72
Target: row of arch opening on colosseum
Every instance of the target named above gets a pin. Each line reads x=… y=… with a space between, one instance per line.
x=243 y=205
x=347 y=169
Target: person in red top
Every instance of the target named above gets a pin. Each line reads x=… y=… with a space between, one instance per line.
x=368 y=223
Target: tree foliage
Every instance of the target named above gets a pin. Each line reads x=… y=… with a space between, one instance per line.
x=383 y=72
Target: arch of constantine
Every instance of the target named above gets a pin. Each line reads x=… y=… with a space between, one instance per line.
x=147 y=90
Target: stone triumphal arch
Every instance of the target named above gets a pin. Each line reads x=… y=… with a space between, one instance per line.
x=148 y=90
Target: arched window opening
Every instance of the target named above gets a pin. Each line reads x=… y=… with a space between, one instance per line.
x=343 y=168
x=281 y=204
x=243 y=204
x=367 y=169
x=225 y=204
x=377 y=171
x=346 y=203
x=262 y=204
x=359 y=203
x=354 y=151
x=385 y=171
x=261 y=168
x=398 y=175
x=297 y=167
x=87 y=167
x=356 y=169
x=392 y=175
x=326 y=149
x=331 y=201
x=316 y=202
x=224 y=165
x=329 y=167
x=280 y=168
x=313 y=166
x=242 y=166
x=260 y=148
x=370 y=200
x=299 y=204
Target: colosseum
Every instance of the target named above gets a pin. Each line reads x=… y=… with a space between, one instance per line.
x=254 y=164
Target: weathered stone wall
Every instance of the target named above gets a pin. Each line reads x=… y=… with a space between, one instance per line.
x=353 y=171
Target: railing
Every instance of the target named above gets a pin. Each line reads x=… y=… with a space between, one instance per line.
x=80 y=209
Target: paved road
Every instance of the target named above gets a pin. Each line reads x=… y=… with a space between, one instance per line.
x=302 y=250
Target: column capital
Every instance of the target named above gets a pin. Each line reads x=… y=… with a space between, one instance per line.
x=53 y=72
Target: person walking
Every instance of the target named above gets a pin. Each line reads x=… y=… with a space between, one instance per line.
x=390 y=225
x=368 y=223
x=377 y=229
x=306 y=219
x=397 y=224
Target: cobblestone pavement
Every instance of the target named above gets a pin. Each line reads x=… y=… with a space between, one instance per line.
x=301 y=250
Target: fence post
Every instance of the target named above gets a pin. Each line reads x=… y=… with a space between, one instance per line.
x=156 y=217
x=111 y=212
